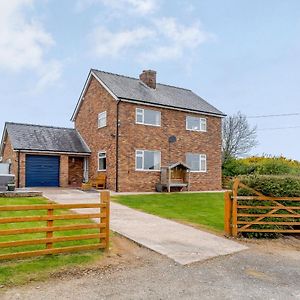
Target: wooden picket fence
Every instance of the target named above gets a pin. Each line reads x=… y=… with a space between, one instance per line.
x=253 y=217
x=50 y=228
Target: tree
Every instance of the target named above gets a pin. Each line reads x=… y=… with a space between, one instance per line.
x=238 y=136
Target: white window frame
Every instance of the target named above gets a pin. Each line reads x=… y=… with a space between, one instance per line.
x=102 y=116
x=100 y=152
x=141 y=112
x=202 y=121
x=142 y=156
x=202 y=157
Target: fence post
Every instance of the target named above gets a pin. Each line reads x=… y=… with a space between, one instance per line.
x=105 y=198
x=49 y=234
x=235 y=207
x=227 y=213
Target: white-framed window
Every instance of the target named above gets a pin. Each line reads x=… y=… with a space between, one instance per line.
x=197 y=162
x=147 y=160
x=147 y=117
x=102 y=119
x=195 y=123
x=101 y=161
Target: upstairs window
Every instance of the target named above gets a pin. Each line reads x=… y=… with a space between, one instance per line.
x=195 y=123
x=147 y=160
x=102 y=161
x=102 y=119
x=197 y=162
x=147 y=117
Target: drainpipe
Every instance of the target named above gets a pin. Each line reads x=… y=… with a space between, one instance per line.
x=117 y=147
x=18 y=184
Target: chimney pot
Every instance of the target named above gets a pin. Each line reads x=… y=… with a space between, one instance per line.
x=149 y=78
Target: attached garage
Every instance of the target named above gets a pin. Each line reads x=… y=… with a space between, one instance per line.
x=42 y=170
x=45 y=156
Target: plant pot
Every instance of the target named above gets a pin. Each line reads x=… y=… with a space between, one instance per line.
x=11 y=187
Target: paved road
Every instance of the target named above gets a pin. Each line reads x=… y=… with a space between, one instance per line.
x=270 y=270
x=179 y=242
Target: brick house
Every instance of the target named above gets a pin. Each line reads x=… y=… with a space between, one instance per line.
x=124 y=125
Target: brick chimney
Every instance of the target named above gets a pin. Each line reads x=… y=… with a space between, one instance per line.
x=149 y=78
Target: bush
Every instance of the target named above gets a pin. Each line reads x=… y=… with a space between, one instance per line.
x=234 y=167
x=274 y=186
x=261 y=165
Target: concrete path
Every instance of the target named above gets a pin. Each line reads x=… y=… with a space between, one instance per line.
x=182 y=243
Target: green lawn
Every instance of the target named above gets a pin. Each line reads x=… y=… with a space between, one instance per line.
x=25 y=270
x=201 y=209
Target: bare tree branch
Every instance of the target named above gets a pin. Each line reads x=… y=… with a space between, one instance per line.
x=238 y=137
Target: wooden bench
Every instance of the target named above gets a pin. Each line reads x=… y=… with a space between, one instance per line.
x=98 y=183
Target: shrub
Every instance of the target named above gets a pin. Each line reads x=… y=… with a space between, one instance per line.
x=264 y=165
x=234 y=167
x=274 y=186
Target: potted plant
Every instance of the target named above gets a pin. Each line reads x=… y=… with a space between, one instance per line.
x=11 y=187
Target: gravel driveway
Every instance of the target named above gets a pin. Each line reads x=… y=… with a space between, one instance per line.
x=267 y=270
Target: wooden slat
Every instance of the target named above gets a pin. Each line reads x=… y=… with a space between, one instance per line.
x=266 y=207
x=51 y=240
x=50 y=218
x=50 y=206
x=52 y=251
x=54 y=228
x=268 y=223
x=268 y=198
x=270 y=215
x=105 y=198
x=270 y=230
x=234 y=207
x=49 y=234
x=227 y=213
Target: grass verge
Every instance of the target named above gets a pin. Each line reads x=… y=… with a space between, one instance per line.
x=15 y=272
x=205 y=210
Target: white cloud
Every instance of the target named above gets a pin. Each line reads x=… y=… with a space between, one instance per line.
x=166 y=40
x=49 y=74
x=142 y=7
x=175 y=40
x=23 y=41
x=108 y=43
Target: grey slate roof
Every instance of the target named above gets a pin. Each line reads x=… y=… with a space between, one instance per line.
x=133 y=89
x=45 y=138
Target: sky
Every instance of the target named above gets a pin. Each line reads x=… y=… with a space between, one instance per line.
x=238 y=55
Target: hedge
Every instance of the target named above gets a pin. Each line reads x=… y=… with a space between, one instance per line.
x=264 y=165
x=274 y=185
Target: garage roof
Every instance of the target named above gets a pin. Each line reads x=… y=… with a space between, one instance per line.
x=45 y=138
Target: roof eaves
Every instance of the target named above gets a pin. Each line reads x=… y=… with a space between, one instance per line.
x=81 y=97
x=83 y=141
x=221 y=115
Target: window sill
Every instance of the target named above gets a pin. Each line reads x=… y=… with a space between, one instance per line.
x=196 y=130
x=147 y=124
x=198 y=171
x=101 y=170
x=147 y=170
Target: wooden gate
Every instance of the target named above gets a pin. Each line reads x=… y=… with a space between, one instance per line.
x=260 y=213
x=102 y=225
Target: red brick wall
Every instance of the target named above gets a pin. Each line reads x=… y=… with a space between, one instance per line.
x=10 y=154
x=133 y=136
x=97 y=100
x=75 y=171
